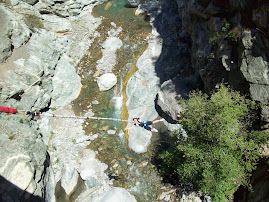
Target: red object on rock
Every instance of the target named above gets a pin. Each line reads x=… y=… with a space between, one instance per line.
x=8 y=110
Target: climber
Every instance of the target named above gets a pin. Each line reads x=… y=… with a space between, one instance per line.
x=144 y=124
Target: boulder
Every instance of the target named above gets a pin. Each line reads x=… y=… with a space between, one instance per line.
x=169 y=96
x=14 y=32
x=112 y=44
x=69 y=179
x=108 y=60
x=254 y=58
x=56 y=24
x=134 y=3
x=106 y=81
x=31 y=2
x=116 y=194
x=66 y=83
x=91 y=169
x=141 y=92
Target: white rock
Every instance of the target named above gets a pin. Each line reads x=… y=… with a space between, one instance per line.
x=56 y=24
x=95 y=102
x=93 y=137
x=91 y=167
x=111 y=132
x=83 y=139
x=106 y=81
x=108 y=60
x=112 y=44
x=13 y=2
x=69 y=179
x=18 y=172
x=116 y=194
x=66 y=83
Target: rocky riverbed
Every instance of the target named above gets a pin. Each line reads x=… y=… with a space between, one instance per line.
x=64 y=58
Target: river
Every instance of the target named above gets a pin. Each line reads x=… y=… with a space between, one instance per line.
x=132 y=171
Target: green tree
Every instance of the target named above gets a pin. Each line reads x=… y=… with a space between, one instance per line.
x=220 y=150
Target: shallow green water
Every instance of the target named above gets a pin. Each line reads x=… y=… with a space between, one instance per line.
x=135 y=29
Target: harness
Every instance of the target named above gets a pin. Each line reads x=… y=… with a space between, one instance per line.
x=145 y=124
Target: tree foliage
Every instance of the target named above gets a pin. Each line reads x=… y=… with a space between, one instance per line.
x=220 y=150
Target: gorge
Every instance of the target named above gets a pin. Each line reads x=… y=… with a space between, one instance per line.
x=58 y=56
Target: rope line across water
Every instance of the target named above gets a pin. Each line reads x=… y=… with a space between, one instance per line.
x=83 y=117
x=14 y=111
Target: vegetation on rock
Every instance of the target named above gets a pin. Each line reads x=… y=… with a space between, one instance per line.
x=221 y=149
x=225 y=32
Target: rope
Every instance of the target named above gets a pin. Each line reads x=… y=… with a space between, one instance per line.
x=14 y=111
x=83 y=117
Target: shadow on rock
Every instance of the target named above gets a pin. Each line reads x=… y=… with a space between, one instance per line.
x=175 y=58
x=173 y=66
x=10 y=192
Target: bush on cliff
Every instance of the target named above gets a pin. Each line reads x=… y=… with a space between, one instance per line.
x=221 y=150
x=224 y=32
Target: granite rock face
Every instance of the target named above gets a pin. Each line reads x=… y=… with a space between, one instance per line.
x=36 y=73
x=14 y=32
x=66 y=83
x=255 y=65
x=141 y=92
x=24 y=161
x=30 y=85
x=163 y=65
x=229 y=44
x=169 y=96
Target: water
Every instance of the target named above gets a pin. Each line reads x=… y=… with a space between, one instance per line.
x=134 y=172
x=135 y=29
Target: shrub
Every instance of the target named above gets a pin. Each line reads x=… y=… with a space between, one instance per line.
x=221 y=149
x=225 y=32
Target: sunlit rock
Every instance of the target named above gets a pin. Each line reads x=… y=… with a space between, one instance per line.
x=69 y=179
x=109 y=48
x=66 y=83
x=106 y=81
x=56 y=24
x=115 y=194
